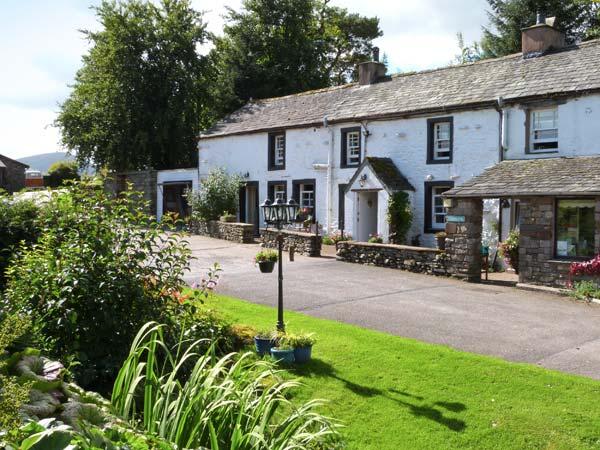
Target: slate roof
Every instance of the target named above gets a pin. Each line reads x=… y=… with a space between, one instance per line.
x=573 y=69
x=387 y=172
x=532 y=177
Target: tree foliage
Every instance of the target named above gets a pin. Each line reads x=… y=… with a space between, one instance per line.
x=141 y=97
x=280 y=47
x=61 y=171
x=579 y=19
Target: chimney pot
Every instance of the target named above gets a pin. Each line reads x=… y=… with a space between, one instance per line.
x=541 y=19
x=376 y=54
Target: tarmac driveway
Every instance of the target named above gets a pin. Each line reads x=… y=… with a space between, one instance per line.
x=516 y=325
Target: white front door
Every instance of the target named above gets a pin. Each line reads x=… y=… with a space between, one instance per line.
x=366 y=215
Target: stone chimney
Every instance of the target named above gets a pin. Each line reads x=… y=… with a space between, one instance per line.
x=371 y=71
x=542 y=37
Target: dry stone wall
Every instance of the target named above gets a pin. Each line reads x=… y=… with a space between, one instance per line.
x=242 y=233
x=308 y=244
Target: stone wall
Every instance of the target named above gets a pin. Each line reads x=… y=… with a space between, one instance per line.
x=414 y=259
x=537 y=264
x=144 y=181
x=229 y=231
x=308 y=244
x=463 y=241
x=12 y=175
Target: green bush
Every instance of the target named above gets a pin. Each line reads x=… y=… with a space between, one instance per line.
x=399 y=216
x=266 y=256
x=218 y=192
x=232 y=402
x=19 y=225
x=100 y=270
x=585 y=290
x=328 y=241
x=61 y=171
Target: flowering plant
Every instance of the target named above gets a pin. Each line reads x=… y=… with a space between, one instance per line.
x=509 y=249
x=337 y=236
x=591 y=267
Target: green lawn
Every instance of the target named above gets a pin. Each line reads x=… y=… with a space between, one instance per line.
x=396 y=393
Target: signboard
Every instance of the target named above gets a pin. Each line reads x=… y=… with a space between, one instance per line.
x=455 y=219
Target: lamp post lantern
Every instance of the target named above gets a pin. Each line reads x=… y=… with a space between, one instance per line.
x=279 y=213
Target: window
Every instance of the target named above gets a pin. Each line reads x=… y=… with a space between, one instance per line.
x=351 y=147
x=277 y=151
x=435 y=213
x=575 y=228
x=544 y=130
x=304 y=194
x=277 y=189
x=440 y=135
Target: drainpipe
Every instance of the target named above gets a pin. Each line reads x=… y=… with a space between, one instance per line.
x=329 y=175
x=366 y=133
x=502 y=128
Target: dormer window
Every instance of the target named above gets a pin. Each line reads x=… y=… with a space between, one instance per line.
x=351 y=147
x=440 y=133
x=277 y=151
x=544 y=130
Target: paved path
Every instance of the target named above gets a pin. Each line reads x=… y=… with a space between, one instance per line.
x=516 y=325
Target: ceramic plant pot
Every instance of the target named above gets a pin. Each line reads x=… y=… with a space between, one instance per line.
x=283 y=355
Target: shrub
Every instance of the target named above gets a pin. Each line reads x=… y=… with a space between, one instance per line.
x=218 y=192
x=18 y=226
x=61 y=171
x=328 y=241
x=100 y=270
x=233 y=402
x=266 y=255
x=228 y=217
x=585 y=290
x=399 y=216
x=509 y=249
x=375 y=239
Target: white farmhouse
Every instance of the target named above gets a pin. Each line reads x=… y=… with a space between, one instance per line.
x=341 y=151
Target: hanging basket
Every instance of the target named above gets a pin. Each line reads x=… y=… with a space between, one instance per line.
x=266 y=266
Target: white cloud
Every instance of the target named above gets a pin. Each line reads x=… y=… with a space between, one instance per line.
x=41 y=50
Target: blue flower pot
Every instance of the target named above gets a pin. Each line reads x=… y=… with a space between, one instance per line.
x=302 y=354
x=263 y=345
x=283 y=356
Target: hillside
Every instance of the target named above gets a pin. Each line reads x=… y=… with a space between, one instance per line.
x=44 y=160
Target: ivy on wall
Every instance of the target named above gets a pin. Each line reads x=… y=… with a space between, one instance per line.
x=399 y=216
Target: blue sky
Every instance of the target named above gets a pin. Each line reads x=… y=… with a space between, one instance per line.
x=41 y=50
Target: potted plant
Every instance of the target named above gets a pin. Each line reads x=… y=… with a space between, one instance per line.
x=440 y=237
x=266 y=260
x=302 y=344
x=509 y=249
x=264 y=341
x=283 y=353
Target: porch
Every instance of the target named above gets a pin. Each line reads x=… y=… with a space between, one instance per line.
x=559 y=216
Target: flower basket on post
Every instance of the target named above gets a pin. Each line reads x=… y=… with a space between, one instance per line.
x=266 y=260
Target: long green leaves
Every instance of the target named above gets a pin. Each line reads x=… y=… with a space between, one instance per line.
x=232 y=403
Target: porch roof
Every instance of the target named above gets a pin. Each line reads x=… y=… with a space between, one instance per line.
x=566 y=176
x=386 y=172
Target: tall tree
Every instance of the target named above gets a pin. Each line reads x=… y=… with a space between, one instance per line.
x=142 y=95
x=508 y=17
x=279 y=47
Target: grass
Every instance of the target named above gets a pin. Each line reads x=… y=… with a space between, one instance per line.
x=397 y=393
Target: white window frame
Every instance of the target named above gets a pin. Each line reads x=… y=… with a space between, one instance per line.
x=438 y=142
x=438 y=210
x=279 y=150
x=537 y=127
x=279 y=191
x=311 y=197
x=352 y=148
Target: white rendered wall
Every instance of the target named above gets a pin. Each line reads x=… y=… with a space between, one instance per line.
x=476 y=140
x=578 y=129
x=169 y=176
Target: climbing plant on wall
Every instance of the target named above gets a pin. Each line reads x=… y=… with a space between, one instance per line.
x=399 y=216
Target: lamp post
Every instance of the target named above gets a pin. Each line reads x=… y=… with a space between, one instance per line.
x=279 y=213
